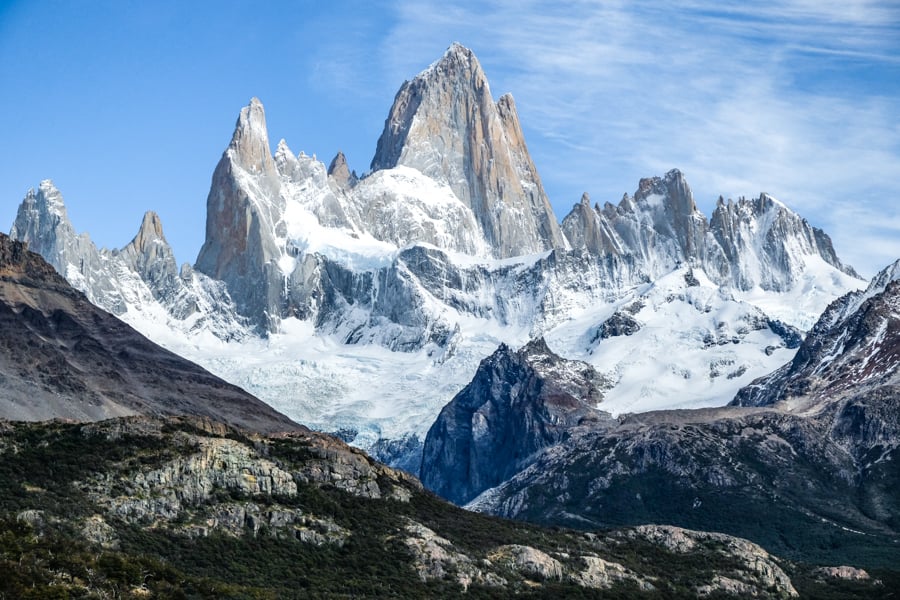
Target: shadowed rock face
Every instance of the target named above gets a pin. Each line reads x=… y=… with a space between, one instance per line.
x=445 y=124
x=517 y=404
x=62 y=357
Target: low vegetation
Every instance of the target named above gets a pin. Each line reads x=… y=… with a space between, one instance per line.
x=46 y=498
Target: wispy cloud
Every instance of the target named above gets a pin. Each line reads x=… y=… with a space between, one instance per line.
x=797 y=98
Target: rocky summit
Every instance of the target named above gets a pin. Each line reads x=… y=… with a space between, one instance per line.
x=445 y=124
x=517 y=404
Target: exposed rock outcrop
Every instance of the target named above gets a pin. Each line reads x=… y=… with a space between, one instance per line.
x=754 y=569
x=620 y=323
x=517 y=404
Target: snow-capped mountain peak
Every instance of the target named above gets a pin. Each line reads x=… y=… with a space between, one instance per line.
x=445 y=124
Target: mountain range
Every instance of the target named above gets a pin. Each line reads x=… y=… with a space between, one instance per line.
x=189 y=487
x=364 y=304
x=630 y=363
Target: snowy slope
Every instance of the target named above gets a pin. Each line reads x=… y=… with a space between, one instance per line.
x=695 y=346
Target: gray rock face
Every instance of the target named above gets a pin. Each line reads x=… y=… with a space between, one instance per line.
x=445 y=123
x=150 y=255
x=241 y=227
x=517 y=404
x=340 y=172
x=691 y=469
x=217 y=483
x=784 y=242
x=586 y=227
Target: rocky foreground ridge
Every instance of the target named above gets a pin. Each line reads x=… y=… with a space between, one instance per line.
x=163 y=507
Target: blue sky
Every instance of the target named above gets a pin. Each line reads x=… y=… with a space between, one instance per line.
x=128 y=106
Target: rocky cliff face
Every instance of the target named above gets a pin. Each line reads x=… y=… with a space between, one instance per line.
x=517 y=404
x=62 y=357
x=242 y=226
x=765 y=243
x=150 y=255
x=445 y=124
x=587 y=227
